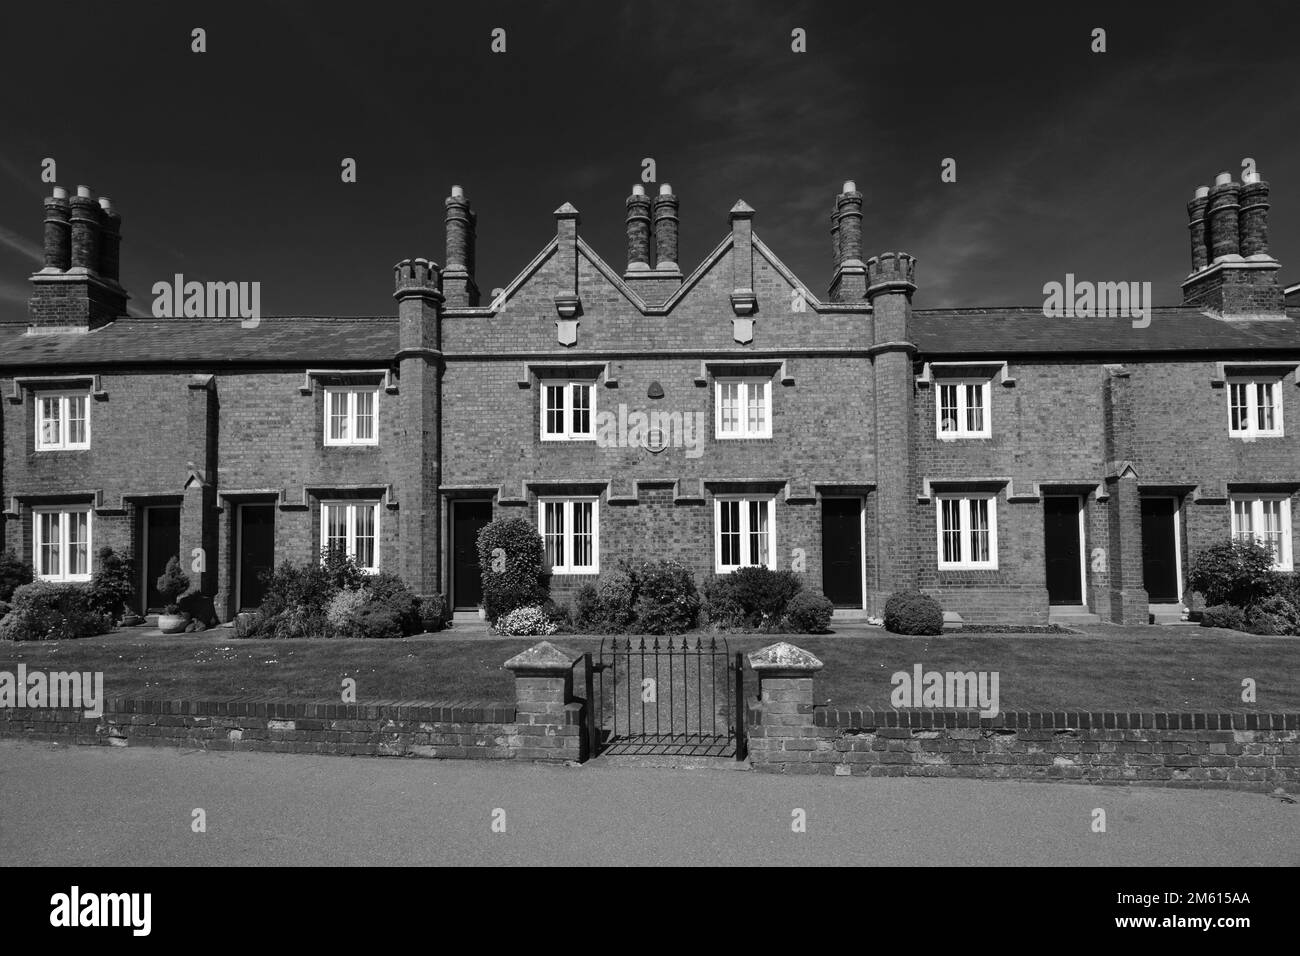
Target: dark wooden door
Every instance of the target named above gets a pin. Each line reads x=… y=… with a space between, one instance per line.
x=256 y=552
x=1159 y=562
x=842 y=551
x=162 y=542
x=1062 y=550
x=468 y=519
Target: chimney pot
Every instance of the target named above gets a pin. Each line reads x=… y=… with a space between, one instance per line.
x=850 y=186
x=1201 y=192
x=84 y=192
x=638 y=190
x=665 y=190
x=60 y=192
x=457 y=192
x=665 y=226
x=461 y=228
x=1223 y=179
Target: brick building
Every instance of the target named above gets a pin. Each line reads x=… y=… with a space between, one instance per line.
x=1008 y=462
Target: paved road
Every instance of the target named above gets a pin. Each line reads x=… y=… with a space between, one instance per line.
x=96 y=806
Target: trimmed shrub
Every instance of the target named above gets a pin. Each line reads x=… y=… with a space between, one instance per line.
x=434 y=613
x=295 y=601
x=518 y=581
x=557 y=614
x=912 y=612
x=14 y=573
x=750 y=597
x=1224 y=615
x=5 y=608
x=608 y=606
x=1233 y=572
x=389 y=589
x=341 y=608
x=666 y=601
x=1273 y=615
x=112 y=587
x=375 y=619
x=46 y=611
x=171 y=584
x=527 y=621
x=808 y=613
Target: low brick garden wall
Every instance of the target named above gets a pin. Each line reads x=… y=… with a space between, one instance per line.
x=787 y=733
x=544 y=723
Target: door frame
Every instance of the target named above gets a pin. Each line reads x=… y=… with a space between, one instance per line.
x=451 y=564
x=862 y=540
x=1178 y=545
x=237 y=565
x=144 y=551
x=1083 y=545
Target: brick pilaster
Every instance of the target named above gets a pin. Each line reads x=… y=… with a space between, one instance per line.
x=547 y=716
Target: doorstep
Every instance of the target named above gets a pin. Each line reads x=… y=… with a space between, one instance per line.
x=1071 y=614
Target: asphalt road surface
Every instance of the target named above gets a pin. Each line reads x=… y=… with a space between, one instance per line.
x=88 y=806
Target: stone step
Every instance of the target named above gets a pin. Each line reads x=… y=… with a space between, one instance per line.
x=1071 y=615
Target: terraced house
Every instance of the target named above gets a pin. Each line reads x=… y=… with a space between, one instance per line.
x=1012 y=464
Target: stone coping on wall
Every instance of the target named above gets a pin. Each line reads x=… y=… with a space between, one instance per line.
x=844 y=716
x=472 y=711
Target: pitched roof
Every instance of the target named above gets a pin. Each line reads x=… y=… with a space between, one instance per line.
x=1027 y=330
x=207 y=342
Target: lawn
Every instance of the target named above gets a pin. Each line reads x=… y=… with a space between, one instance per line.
x=1107 y=668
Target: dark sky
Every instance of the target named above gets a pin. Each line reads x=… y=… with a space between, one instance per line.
x=225 y=165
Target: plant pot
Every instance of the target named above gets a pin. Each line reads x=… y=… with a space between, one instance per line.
x=172 y=623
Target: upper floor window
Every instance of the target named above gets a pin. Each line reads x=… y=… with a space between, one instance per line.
x=745 y=533
x=1266 y=519
x=351 y=416
x=353 y=528
x=744 y=407
x=569 y=529
x=61 y=543
x=568 y=410
x=968 y=531
x=962 y=409
x=1254 y=407
x=62 y=421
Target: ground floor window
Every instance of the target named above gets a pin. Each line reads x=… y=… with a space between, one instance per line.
x=1266 y=519
x=61 y=544
x=967 y=531
x=745 y=533
x=352 y=527
x=569 y=529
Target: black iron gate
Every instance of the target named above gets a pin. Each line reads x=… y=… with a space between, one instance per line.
x=669 y=696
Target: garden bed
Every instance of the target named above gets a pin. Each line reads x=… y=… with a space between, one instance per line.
x=1110 y=668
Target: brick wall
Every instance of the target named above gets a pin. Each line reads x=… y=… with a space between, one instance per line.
x=1232 y=751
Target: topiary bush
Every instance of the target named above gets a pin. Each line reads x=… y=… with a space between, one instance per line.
x=1224 y=615
x=1233 y=572
x=14 y=573
x=808 y=613
x=530 y=621
x=48 y=611
x=375 y=619
x=912 y=612
x=666 y=601
x=512 y=556
x=338 y=613
x=171 y=584
x=390 y=590
x=750 y=597
x=112 y=586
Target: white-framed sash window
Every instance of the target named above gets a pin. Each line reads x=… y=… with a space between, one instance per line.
x=1254 y=407
x=62 y=421
x=568 y=410
x=743 y=407
x=351 y=415
x=962 y=408
x=61 y=543
x=570 y=530
x=967 y=531
x=744 y=532
x=353 y=527
x=1266 y=519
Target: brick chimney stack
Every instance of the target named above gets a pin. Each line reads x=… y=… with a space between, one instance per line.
x=849 y=284
x=58 y=231
x=1233 y=274
x=458 y=278
x=1252 y=219
x=665 y=207
x=1196 y=225
x=638 y=230
x=77 y=288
